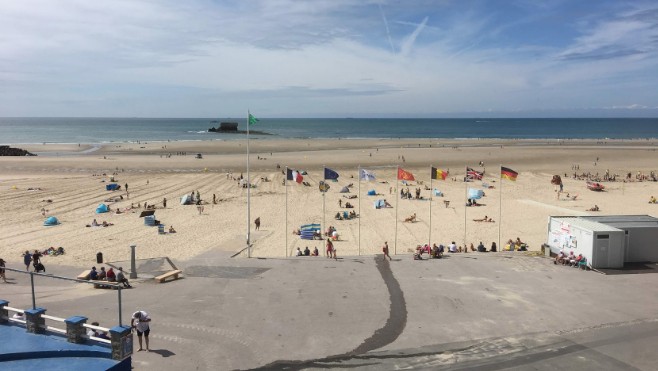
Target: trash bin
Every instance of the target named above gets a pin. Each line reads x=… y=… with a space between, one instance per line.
x=99 y=258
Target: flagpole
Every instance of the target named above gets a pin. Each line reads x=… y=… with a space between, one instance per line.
x=248 y=194
x=429 y=237
x=500 y=209
x=285 y=184
x=359 y=197
x=465 y=202
x=324 y=222
x=397 y=197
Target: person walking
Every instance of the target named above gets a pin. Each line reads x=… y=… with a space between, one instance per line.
x=385 y=251
x=257 y=222
x=27 y=260
x=141 y=322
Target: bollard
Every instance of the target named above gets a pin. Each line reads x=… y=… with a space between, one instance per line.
x=4 y=313
x=122 y=342
x=34 y=322
x=133 y=268
x=75 y=330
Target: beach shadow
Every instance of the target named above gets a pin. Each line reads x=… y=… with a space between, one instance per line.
x=163 y=352
x=631 y=268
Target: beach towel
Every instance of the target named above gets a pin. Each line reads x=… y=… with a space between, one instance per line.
x=372 y=192
x=50 y=221
x=102 y=208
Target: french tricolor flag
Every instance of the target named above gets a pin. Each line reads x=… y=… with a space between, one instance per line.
x=294 y=175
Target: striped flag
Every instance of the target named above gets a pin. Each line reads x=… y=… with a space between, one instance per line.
x=439 y=174
x=294 y=175
x=405 y=175
x=508 y=173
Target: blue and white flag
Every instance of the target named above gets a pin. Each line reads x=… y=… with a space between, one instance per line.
x=366 y=175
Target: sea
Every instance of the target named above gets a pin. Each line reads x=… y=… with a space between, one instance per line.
x=30 y=130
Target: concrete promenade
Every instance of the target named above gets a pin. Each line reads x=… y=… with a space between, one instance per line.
x=476 y=311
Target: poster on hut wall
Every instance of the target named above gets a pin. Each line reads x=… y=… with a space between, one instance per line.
x=563 y=239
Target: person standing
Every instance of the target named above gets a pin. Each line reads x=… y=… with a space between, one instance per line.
x=141 y=322
x=2 y=270
x=257 y=222
x=385 y=251
x=27 y=260
x=36 y=259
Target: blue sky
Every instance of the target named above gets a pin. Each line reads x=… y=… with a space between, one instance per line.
x=329 y=58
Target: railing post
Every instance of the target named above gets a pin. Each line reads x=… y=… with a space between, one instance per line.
x=4 y=313
x=34 y=322
x=122 y=342
x=133 y=267
x=75 y=330
x=34 y=300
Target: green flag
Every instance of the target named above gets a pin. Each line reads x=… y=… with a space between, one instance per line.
x=252 y=119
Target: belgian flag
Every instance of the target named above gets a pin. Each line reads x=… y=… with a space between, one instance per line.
x=439 y=174
x=508 y=173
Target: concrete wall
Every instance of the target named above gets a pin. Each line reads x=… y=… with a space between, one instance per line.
x=642 y=245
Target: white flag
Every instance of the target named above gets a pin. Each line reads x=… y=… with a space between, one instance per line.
x=366 y=175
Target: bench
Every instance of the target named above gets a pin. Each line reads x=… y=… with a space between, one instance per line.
x=84 y=275
x=161 y=278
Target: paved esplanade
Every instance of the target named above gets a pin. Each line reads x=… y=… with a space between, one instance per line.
x=476 y=311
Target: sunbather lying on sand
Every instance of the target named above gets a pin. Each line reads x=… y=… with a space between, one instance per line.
x=485 y=219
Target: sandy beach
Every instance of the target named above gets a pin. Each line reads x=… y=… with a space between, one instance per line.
x=67 y=182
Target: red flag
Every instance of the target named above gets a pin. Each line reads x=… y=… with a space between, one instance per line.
x=405 y=175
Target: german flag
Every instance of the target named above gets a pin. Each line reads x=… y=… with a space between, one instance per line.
x=508 y=173
x=439 y=174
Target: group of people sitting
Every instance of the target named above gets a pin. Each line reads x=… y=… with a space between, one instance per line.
x=95 y=223
x=307 y=252
x=571 y=260
x=436 y=252
x=109 y=275
x=406 y=194
x=345 y=215
x=517 y=245
x=472 y=202
x=594 y=208
x=331 y=233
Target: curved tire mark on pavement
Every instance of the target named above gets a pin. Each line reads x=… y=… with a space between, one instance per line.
x=395 y=324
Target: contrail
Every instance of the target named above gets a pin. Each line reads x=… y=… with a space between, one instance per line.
x=388 y=32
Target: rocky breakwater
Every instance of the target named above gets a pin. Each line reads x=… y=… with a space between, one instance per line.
x=8 y=151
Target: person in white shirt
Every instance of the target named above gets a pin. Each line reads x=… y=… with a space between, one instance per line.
x=140 y=322
x=452 y=247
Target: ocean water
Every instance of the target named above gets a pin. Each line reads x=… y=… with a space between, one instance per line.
x=104 y=130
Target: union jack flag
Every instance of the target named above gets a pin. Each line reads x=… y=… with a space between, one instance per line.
x=473 y=174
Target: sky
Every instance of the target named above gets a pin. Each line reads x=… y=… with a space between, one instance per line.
x=329 y=58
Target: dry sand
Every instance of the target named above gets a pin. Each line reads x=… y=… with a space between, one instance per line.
x=70 y=176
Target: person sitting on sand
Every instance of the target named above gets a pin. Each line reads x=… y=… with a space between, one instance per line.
x=315 y=252
x=493 y=248
x=452 y=247
x=348 y=205
x=594 y=208
x=106 y=224
x=481 y=247
x=299 y=252
x=171 y=229
x=411 y=219
x=338 y=216
x=652 y=200
x=386 y=204
x=307 y=252
x=94 y=223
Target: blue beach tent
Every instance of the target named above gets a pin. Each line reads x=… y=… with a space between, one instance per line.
x=112 y=187
x=380 y=204
x=50 y=221
x=475 y=194
x=102 y=208
x=438 y=193
x=372 y=192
